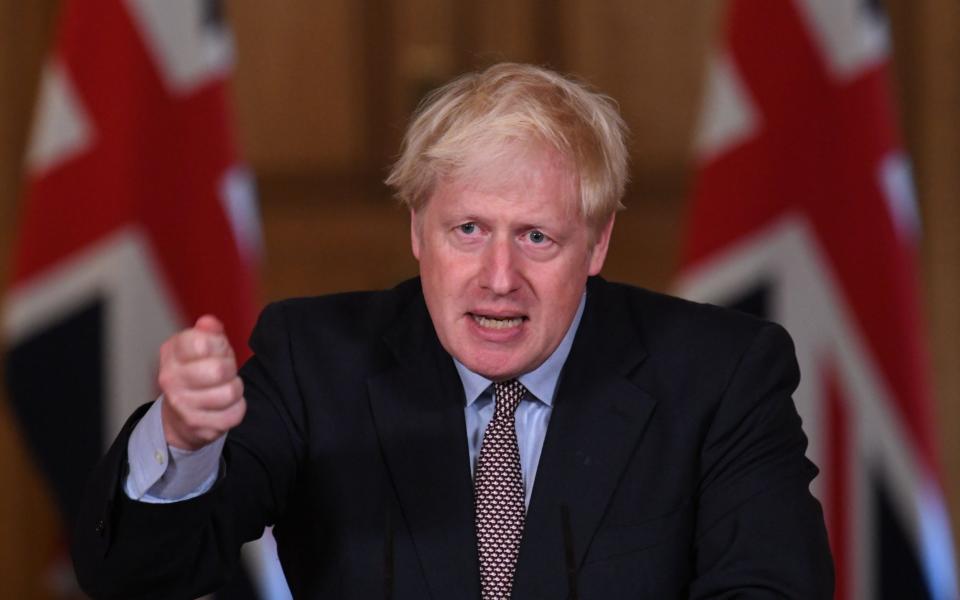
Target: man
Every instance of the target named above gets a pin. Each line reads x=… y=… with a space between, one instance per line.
x=506 y=424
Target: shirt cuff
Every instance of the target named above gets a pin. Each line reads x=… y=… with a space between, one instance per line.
x=160 y=474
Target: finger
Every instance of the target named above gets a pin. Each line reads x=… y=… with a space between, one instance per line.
x=196 y=344
x=216 y=421
x=178 y=378
x=210 y=399
x=192 y=439
x=210 y=324
x=207 y=372
x=166 y=350
x=233 y=416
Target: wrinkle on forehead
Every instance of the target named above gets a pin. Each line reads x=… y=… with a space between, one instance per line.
x=507 y=168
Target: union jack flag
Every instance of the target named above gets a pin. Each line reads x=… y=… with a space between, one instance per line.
x=803 y=212
x=137 y=218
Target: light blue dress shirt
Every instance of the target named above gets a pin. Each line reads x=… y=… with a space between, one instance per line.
x=160 y=474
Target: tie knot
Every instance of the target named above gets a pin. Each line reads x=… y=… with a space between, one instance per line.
x=507 y=395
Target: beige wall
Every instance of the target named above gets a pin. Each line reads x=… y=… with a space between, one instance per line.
x=322 y=93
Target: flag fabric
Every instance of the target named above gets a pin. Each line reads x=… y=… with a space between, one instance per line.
x=802 y=212
x=137 y=217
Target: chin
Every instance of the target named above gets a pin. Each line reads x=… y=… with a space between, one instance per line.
x=489 y=367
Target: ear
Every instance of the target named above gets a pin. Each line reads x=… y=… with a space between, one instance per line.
x=415 y=234
x=600 y=246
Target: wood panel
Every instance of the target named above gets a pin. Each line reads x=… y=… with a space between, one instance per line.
x=28 y=524
x=505 y=30
x=299 y=100
x=935 y=136
x=649 y=56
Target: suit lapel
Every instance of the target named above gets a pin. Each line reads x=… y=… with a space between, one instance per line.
x=598 y=418
x=418 y=412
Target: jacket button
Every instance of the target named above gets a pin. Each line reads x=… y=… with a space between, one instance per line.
x=100 y=526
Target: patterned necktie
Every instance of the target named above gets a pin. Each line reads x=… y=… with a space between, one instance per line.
x=498 y=492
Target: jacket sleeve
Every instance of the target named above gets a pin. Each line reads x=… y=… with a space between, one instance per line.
x=127 y=549
x=760 y=532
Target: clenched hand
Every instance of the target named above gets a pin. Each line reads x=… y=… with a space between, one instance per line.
x=203 y=396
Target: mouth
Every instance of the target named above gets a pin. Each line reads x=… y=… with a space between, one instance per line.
x=497 y=322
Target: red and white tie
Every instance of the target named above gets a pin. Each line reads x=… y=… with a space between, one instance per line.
x=499 y=495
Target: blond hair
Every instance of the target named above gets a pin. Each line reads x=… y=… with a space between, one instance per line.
x=508 y=103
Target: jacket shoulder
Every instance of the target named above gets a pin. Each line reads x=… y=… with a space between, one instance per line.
x=686 y=331
x=345 y=314
x=338 y=330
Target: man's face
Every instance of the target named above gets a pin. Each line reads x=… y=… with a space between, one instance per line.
x=504 y=259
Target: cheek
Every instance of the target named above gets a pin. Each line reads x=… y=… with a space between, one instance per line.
x=448 y=265
x=444 y=280
x=572 y=272
x=560 y=289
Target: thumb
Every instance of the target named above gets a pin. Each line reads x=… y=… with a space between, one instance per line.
x=209 y=324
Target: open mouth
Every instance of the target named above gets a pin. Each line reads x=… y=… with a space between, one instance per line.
x=490 y=322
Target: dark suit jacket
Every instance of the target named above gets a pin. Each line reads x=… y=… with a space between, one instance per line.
x=673 y=465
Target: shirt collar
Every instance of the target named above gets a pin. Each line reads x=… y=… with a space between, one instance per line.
x=542 y=381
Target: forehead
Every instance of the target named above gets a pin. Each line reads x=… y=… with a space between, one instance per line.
x=538 y=177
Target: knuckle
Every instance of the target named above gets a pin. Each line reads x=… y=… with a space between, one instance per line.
x=220 y=343
x=179 y=349
x=238 y=411
x=202 y=375
x=221 y=396
x=213 y=373
x=163 y=380
x=173 y=401
x=192 y=375
x=221 y=371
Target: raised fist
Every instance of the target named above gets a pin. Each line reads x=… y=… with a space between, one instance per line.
x=202 y=394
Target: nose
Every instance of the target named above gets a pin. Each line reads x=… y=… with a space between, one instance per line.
x=500 y=272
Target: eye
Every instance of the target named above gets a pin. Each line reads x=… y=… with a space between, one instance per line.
x=468 y=228
x=537 y=237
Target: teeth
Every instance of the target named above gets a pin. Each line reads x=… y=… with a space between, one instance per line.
x=492 y=323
